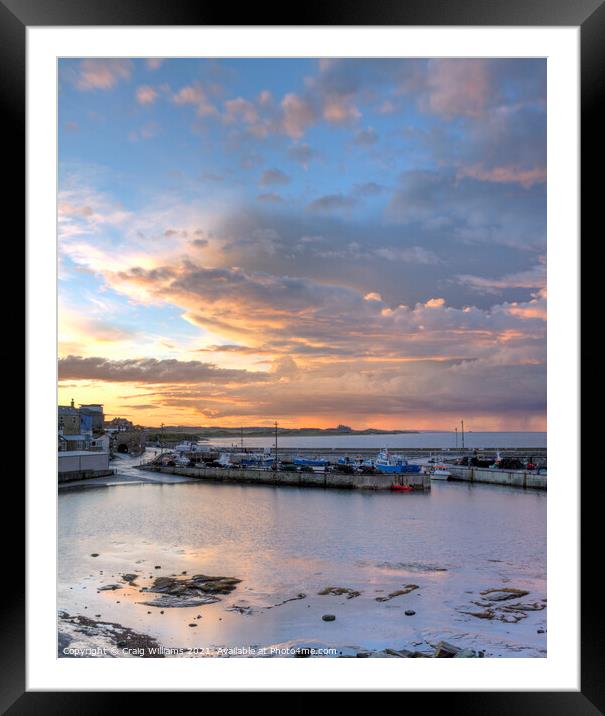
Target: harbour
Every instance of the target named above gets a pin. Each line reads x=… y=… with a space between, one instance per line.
x=454 y=544
x=354 y=469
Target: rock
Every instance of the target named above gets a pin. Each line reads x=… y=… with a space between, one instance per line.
x=524 y=607
x=63 y=641
x=189 y=591
x=363 y=654
x=540 y=631
x=502 y=593
x=300 y=595
x=399 y=592
x=445 y=650
x=401 y=653
x=466 y=654
x=328 y=617
x=193 y=625
x=89 y=633
x=129 y=577
x=158 y=566
x=338 y=591
x=409 y=612
x=94 y=554
x=106 y=587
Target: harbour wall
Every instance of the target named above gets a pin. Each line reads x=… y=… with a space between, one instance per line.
x=74 y=475
x=417 y=481
x=511 y=478
x=82 y=465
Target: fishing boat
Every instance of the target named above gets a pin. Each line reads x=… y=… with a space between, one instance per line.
x=248 y=460
x=394 y=463
x=401 y=488
x=310 y=461
x=257 y=461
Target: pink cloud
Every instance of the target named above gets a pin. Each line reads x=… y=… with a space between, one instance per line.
x=298 y=115
x=102 y=74
x=457 y=87
x=505 y=174
x=146 y=95
x=194 y=95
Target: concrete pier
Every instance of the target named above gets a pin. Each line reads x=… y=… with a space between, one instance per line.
x=511 y=478
x=83 y=465
x=417 y=481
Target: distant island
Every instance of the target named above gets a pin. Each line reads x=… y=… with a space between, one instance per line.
x=190 y=432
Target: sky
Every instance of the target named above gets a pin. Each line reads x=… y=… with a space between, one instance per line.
x=312 y=241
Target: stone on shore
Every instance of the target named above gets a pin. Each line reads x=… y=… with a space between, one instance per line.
x=398 y=593
x=446 y=650
x=339 y=591
x=500 y=594
x=328 y=617
x=189 y=592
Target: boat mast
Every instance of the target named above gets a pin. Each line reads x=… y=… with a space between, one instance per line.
x=462 y=421
x=276 y=444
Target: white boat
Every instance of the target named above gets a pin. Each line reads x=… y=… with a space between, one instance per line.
x=188 y=446
x=251 y=460
x=440 y=472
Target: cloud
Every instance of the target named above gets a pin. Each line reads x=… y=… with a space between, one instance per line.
x=146 y=94
x=332 y=202
x=368 y=189
x=147 y=131
x=470 y=210
x=102 y=74
x=457 y=87
x=505 y=174
x=150 y=370
x=270 y=198
x=365 y=137
x=535 y=278
x=302 y=153
x=298 y=115
x=412 y=255
x=195 y=95
x=274 y=177
x=154 y=63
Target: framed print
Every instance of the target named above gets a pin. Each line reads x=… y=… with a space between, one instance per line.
x=292 y=388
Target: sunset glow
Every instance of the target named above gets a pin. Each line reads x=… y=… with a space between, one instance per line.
x=309 y=241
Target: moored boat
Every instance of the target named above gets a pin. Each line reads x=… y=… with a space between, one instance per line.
x=387 y=463
x=310 y=461
x=440 y=472
x=401 y=488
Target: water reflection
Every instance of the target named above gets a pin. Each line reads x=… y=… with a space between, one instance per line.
x=453 y=543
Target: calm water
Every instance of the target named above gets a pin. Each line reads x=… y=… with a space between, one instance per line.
x=406 y=440
x=453 y=543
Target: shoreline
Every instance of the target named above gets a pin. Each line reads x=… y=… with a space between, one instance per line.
x=82 y=637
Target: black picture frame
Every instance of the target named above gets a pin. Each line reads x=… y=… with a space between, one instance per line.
x=589 y=15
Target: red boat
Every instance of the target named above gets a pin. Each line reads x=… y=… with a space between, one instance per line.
x=401 y=488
